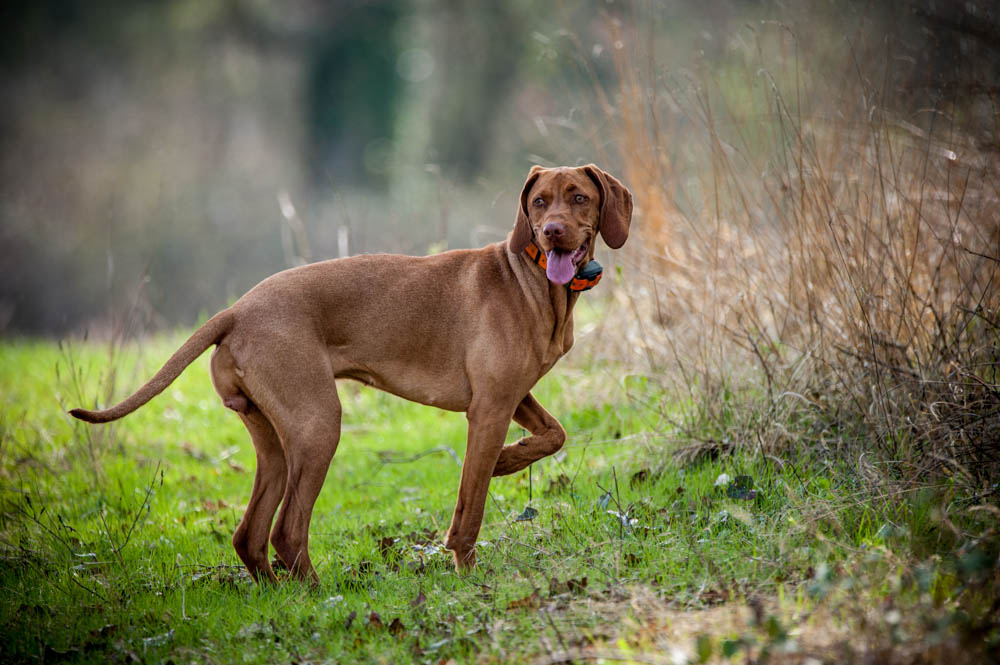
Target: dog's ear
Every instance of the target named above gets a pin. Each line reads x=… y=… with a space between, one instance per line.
x=522 y=227
x=616 y=207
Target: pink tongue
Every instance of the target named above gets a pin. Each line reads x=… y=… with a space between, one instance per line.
x=560 y=268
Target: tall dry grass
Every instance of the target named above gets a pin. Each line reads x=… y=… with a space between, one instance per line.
x=821 y=267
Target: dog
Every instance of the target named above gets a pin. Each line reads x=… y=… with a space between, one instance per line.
x=469 y=330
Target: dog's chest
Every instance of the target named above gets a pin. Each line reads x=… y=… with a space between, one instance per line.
x=555 y=350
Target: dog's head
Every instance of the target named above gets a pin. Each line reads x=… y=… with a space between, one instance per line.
x=563 y=209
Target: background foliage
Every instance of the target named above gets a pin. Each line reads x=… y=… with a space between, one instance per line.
x=145 y=146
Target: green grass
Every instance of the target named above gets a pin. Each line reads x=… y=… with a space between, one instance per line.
x=116 y=539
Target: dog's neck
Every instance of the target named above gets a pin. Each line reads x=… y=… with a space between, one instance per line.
x=563 y=300
x=531 y=274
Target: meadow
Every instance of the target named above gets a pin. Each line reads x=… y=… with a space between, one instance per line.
x=116 y=540
x=782 y=408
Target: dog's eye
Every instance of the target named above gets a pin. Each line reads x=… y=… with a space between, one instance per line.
x=539 y=201
x=580 y=198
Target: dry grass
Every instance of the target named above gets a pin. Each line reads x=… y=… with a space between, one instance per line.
x=821 y=272
x=817 y=281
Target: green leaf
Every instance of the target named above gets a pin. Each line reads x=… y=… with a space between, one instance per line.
x=703 y=647
x=731 y=647
x=741 y=488
x=527 y=514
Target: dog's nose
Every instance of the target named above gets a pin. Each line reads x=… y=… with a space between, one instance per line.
x=553 y=230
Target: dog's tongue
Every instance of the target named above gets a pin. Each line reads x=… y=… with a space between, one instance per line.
x=559 y=266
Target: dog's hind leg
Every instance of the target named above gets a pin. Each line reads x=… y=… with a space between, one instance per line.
x=310 y=431
x=547 y=437
x=250 y=539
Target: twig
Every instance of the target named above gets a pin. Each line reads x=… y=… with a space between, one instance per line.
x=386 y=458
x=573 y=655
x=618 y=502
x=555 y=629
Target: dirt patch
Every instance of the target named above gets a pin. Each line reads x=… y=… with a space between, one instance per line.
x=641 y=627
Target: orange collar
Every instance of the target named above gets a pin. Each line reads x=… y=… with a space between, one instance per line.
x=586 y=277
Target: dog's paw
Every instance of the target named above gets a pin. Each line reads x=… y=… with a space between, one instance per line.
x=465 y=560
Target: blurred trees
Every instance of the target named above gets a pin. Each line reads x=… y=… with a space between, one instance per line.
x=354 y=95
x=144 y=146
x=480 y=48
x=152 y=140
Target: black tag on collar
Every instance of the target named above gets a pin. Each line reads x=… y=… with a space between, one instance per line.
x=587 y=277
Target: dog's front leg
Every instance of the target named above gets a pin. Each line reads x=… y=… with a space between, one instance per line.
x=547 y=437
x=487 y=429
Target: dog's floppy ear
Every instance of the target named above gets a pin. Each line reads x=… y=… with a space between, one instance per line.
x=616 y=207
x=522 y=227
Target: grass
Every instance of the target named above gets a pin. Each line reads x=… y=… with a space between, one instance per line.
x=116 y=540
x=783 y=424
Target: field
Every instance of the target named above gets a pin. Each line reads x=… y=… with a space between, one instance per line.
x=116 y=539
x=783 y=405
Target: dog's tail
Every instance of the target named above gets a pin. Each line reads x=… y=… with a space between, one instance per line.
x=210 y=333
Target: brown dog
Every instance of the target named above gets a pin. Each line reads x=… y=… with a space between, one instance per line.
x=465 y=330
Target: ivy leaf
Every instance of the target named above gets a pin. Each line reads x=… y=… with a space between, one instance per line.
x=741 y=488
x=528 y=514
x=730 y=647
